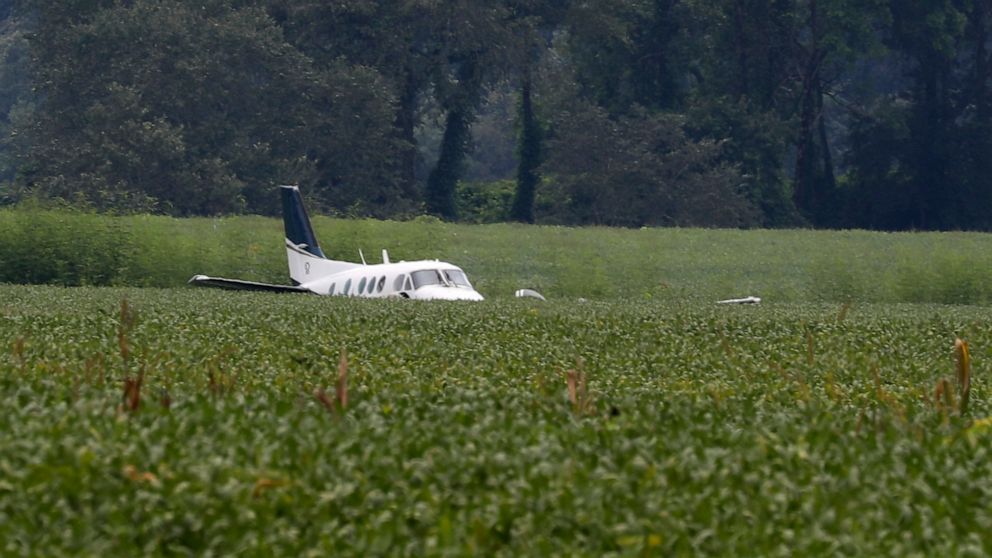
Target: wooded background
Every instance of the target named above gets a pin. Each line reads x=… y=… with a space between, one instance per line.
x=729 y=113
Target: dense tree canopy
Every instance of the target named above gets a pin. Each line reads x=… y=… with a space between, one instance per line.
x=736 y=113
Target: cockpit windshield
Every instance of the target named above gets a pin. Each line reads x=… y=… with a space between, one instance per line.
x=457 y=277
x=449 y=277
x=426 y=277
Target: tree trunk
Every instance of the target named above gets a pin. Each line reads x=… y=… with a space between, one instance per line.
x=440 y=195
x=805 y=193
x=530 y=158
x=980 y=80
x=741 y=39
x=829 y=178
x=406 y=120
x=929 y=140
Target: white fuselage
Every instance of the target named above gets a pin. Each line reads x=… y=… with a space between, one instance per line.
x=311 y=271
x=423 y=280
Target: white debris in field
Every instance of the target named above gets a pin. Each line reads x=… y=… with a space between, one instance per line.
x=529 y=293
x=745 y=300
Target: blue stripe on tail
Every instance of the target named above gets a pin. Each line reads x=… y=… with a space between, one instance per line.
x=294 y=217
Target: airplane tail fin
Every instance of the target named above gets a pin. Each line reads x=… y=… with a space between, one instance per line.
x=299 y=232
x=307 y=261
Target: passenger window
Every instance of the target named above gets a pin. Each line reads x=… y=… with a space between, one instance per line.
x=408 y=286
x=331 y=290
x=371 y=285
x=398 y=283
x=361 y=285
x=382 y=283
x=347 y=287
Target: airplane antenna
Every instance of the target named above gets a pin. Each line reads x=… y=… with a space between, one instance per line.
x=385 y=256
x=362 y=256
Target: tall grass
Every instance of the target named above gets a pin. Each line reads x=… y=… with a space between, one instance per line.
x=72 y=248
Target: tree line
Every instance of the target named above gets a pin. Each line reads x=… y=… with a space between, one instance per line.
x=732 y=113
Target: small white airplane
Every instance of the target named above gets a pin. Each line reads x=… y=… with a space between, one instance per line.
x=311 y=272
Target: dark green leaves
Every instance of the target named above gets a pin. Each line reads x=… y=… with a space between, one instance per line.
x=694 y=429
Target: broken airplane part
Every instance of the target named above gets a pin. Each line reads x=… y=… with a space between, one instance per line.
x=745 y=300
x=311 y=271
x=529 y=293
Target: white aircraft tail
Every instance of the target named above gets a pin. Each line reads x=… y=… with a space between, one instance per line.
x=306 y=260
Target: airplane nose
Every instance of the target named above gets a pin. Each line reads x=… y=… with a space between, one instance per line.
x=446 y=293
x=462 y=294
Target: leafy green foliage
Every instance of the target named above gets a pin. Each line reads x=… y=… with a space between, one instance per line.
x=485 y=202
x=772 y=430
x=62 y=248
x=660 y=176
x=831 y=113
x=15 y=88
x=207 y=106
x=932 y=159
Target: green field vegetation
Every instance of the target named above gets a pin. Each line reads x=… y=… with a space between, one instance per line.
x=72 y=248
x=696 y=429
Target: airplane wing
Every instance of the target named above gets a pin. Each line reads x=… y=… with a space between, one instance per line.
x=239 y=285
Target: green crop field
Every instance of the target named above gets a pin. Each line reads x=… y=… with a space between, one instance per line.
x=628 y=415
x=691 y=428
x=802 y=266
